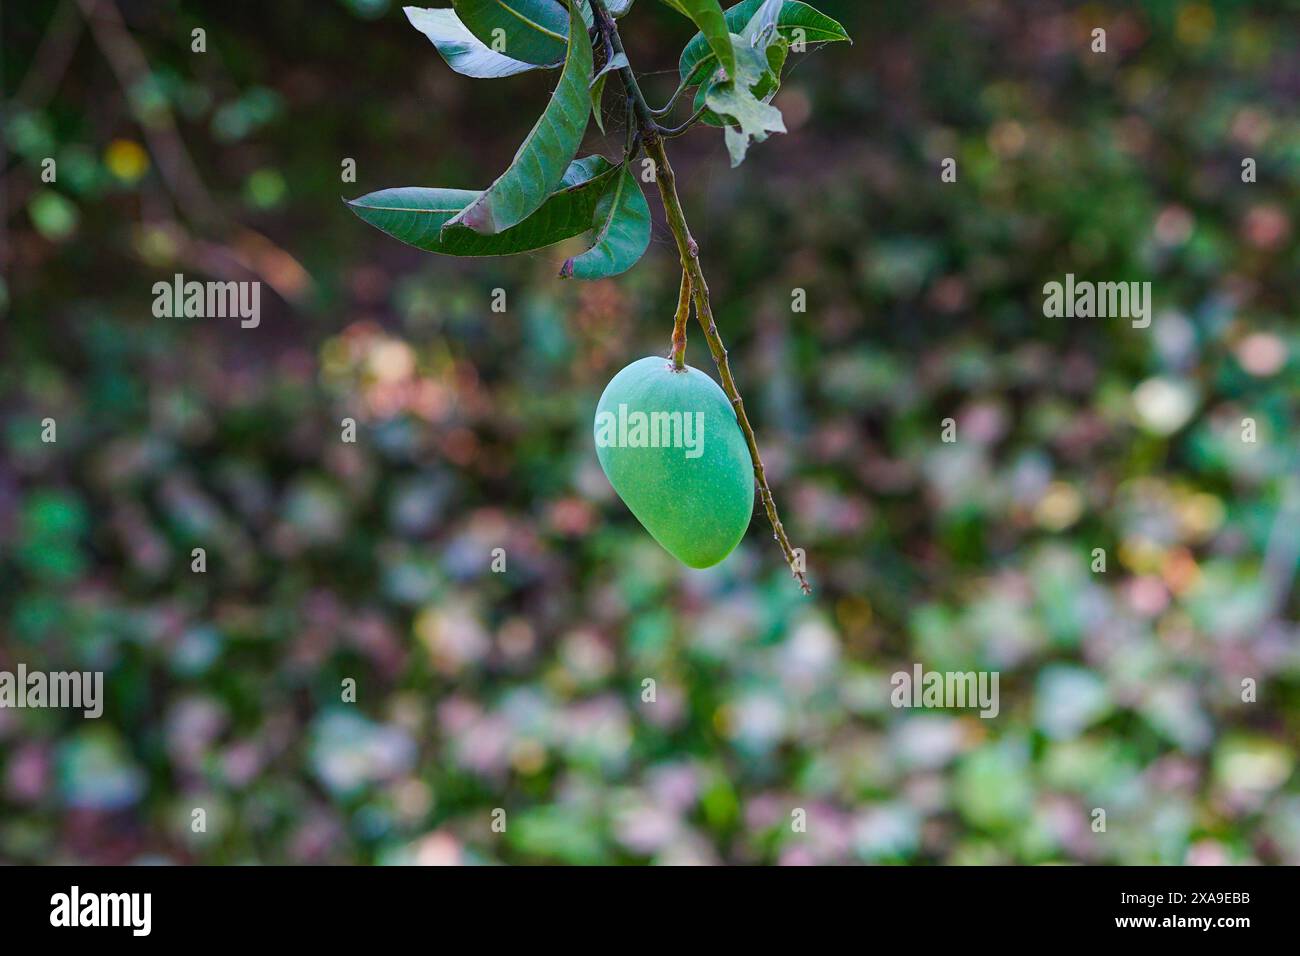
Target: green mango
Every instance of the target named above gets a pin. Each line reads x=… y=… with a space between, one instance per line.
x=669 y=443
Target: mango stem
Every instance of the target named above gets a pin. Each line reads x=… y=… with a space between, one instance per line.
x=679 y=324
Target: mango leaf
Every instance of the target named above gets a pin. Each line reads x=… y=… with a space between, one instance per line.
x=758 y=34
x=416 y=214
x=796 y=21
x=618 y=7
x=763 y=90
x=760 y=29
x=535 y=31
x=597 y=94
x=617 y=62
x=707 y=15
x=542 y=159
x=462 y=50
x=620 y=231
x=776 y=54
x=746 y=117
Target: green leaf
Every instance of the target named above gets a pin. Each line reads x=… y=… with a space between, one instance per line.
x=416 y=214
x=776 y=54
x=618 y=7
x=616 y=62
x=763 y=90
x=463 y=51
x=538 y=166
x=597 y=94
x=698 y=60
x=707 y=15
x=620 y=231
x=761 y=27
x=758 y=42
x=535 y=31
x=745 y=115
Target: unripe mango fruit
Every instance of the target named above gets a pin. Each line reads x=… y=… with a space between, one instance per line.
x=669 y=443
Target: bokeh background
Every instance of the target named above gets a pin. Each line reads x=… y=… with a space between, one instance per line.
x=523 y=690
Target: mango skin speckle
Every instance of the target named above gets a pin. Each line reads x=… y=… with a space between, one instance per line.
x=697 y=508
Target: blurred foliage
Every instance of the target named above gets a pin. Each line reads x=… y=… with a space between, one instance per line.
x=523 y=690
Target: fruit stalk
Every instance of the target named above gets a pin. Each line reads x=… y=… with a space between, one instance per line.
x=651 y=138
x=679 y=324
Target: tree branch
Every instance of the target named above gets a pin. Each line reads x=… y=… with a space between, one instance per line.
x=693 y=281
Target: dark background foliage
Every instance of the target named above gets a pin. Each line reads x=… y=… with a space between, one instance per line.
x=522 y=691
